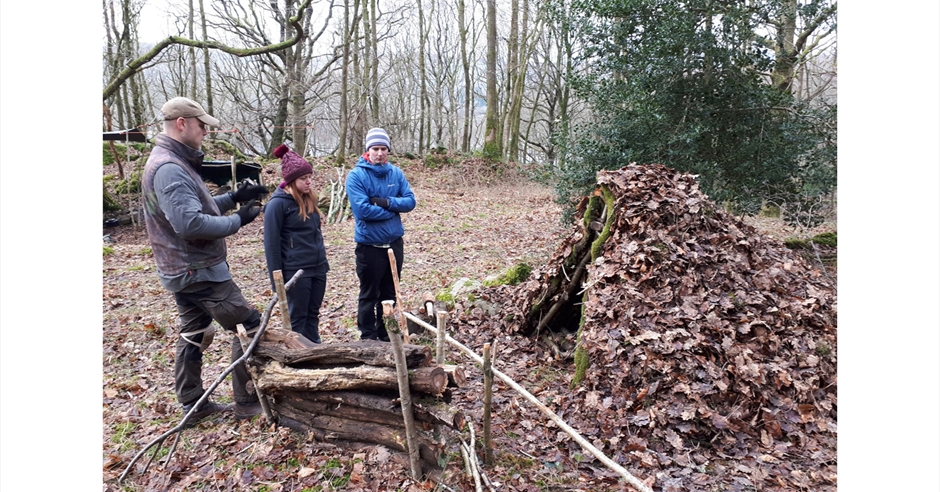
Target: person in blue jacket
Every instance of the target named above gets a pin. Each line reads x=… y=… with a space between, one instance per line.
x=378 y=194
x=293 y=241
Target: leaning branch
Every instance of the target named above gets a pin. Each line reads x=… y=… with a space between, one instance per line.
x=135 y=65
x=205 y=396
x=629 y=477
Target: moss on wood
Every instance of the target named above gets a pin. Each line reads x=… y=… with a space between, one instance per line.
x=605 y=233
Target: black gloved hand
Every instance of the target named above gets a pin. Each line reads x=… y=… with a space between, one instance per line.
x=249 y=211
x=247 y=192
x=382 y=202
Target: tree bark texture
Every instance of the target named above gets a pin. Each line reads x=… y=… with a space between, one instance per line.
x=327 y=428
x=361 y=352
x=376 y=408
x=276 y=378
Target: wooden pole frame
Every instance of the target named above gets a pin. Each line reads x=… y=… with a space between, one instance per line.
x=488 y=350
x=629 y=477
x=404 y=389
x=398 y=298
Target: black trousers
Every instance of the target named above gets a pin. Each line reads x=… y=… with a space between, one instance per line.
x=198 y=306
x=376 y=285
x=304 y=300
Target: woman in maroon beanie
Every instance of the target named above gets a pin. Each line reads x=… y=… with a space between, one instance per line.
x=293 y=241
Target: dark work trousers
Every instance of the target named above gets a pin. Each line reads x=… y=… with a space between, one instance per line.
x=198 y=305
x=375 y=285
x=303 y=301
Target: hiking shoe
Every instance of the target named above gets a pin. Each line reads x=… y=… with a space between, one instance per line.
x=206 y=409
x=247 y=410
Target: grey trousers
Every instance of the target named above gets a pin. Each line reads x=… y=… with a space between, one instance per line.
x=198 y=305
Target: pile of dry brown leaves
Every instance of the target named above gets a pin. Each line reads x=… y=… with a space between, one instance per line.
x=712 y=347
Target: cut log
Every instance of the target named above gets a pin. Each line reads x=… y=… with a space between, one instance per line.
x=438 y=412
x=425 y=409
x=389 y=416
x=456 y=376
x=276 y=378
x=368 y=352
x=329 y=428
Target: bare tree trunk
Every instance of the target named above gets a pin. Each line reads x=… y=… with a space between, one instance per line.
x=422 y=73
x=205 y=60
x=192 y=53
x=512 y=69
x=374 y=41
x=491 y=140
x=468 y=84
x=344 y=87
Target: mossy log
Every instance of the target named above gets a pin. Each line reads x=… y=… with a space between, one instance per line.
x=276 y=378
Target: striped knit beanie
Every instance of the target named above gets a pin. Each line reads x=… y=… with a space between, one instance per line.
x=377 y=136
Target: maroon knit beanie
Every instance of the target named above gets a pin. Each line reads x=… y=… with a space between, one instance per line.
x=292 y=165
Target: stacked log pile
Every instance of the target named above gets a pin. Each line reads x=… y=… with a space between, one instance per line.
x=349 y=391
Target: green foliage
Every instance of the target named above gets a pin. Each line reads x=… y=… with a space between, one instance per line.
x=681 y=84
x=109 y=203
x=107 y=156
x=131 y=184
x=108 y=250
x=513 y=276
x=825 y=239
x=437 y=160
x=446 y=297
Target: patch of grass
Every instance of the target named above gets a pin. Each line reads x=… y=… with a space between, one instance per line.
x=108 y=250
x=121 y=436
x=146 y=251
x=135 y=268
x=159 y=357
x=446 y=297
x=160 y=452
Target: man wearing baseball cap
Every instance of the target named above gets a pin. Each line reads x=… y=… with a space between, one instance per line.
x=187 y=231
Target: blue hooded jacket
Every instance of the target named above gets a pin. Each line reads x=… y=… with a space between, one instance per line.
x=376 y=225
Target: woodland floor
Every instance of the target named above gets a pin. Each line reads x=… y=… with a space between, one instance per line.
x=467 y=224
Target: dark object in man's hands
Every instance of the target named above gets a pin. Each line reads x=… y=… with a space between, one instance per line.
x=249 y=211
x=382 y=202
x=247 y=192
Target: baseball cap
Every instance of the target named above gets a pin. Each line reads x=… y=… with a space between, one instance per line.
x=184 y=107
